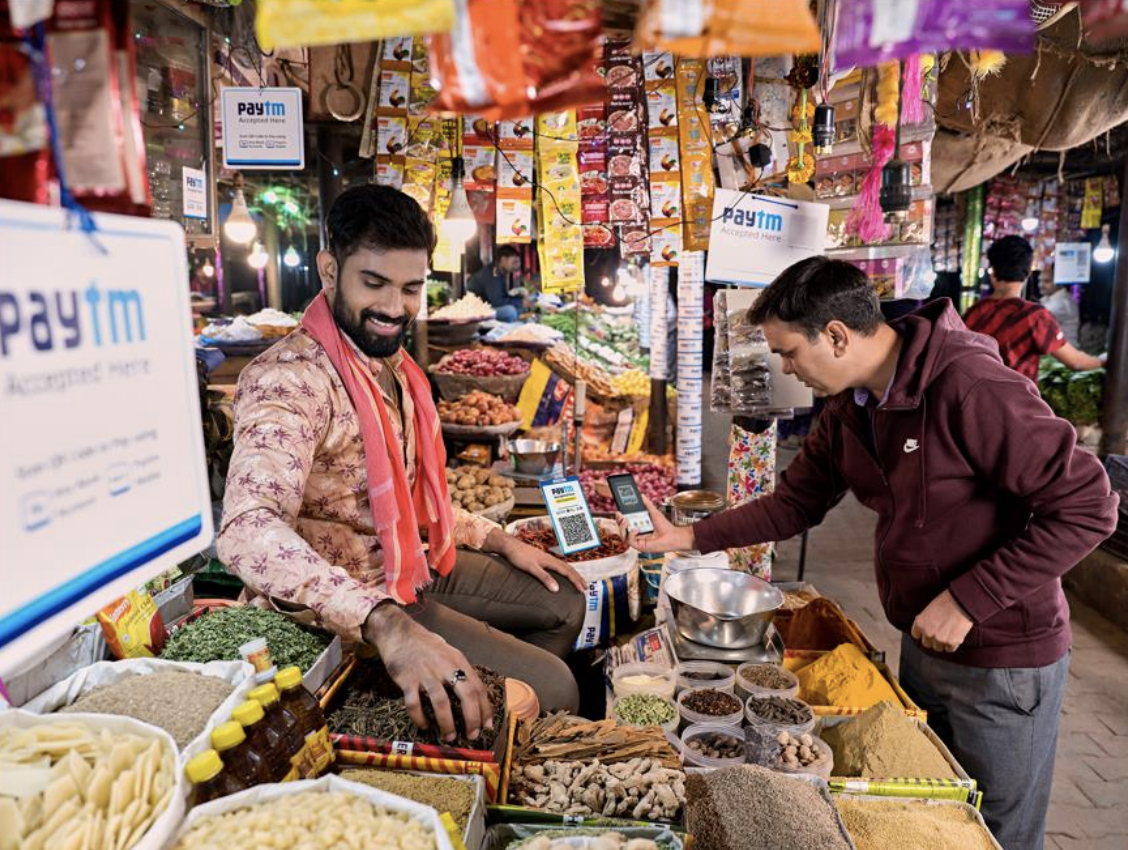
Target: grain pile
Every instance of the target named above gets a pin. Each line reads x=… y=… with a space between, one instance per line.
x=883 y=743
x=438 y=792
x=179 y=701
x=878 y=825
x=752 y=808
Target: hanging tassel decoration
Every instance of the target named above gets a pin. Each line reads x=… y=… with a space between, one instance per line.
x=986 y=63
x=866 y=220
x=912 y=103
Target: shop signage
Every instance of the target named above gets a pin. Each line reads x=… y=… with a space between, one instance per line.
x=262 y=128
x=102 y=476
x=1072 y=262
x=753 y=238
x=195 y=192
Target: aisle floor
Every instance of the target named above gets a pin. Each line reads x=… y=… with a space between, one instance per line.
x=1089 y=806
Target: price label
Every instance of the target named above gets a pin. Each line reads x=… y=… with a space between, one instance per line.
x=571 y=517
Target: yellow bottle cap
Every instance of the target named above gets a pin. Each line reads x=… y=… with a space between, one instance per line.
x=266 y=694
x=203 y=767
x=248 y=714
x=228 y=735
x=288 y=679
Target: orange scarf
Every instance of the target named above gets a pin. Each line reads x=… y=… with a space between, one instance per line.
x=396 y=506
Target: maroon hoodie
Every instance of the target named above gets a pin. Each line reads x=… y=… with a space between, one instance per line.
x=979 y=489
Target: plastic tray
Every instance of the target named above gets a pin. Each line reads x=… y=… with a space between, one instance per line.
x=971 y=810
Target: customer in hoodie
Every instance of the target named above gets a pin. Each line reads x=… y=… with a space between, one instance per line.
x=983 y=503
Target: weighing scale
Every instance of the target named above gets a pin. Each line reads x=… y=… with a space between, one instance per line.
x=768 y=651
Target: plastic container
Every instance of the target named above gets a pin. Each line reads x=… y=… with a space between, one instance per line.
x=721 y=676
x=745 y=688
x=209 y=779
x=690 y=717
x=257 y=654
x=628 y=679
x=692 y=758
x=805 y=728
x=670 y=726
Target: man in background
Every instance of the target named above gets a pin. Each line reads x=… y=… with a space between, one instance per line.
x=1024 y=330
x=494 y=284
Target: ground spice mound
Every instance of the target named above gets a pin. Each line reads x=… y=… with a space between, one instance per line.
x=844 y=677
x=752 y=808
x=883 y=743
x=880 y=825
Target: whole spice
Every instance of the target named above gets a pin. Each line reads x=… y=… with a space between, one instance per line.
x=876 y=825
x=217 y=637
x=639 y=789
x=441 y=793
x=558 y=736
x=710 y=702
x=786 y=712
x=544 y=538
x=645 y=710
x=883 y=743
x=765 y=676
x=844 y=677
x=797 y=751
x=373 y=706
x=717 y=745
x=179 y=701
x=752 y=808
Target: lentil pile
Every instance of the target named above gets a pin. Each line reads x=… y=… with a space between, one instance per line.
x=753 y=808
x=372 y=705
x=883 y=743
x=765 y=676
x=710 y=702
x=645 y=710
x=178 y=701
x=217 y=637
x=442 y=794
x=877 y=825
x=781 y=710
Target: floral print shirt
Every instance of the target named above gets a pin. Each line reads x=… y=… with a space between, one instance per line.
x=297 y=526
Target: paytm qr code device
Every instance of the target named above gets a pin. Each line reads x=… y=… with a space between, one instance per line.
x=570 y=515
x=624 y=489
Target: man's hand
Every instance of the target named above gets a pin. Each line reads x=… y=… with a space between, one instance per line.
x=943 y=625
x=422 y=663
x=666 y=536
x=531 y=560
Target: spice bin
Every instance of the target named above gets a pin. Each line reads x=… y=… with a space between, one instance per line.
x=643 y=677
x=656 y=706
x=689 y=716
x=705 y=674
x=774 y=727
x=746 y=682
x=970 y=811
x=694 y=758
x=796 y=659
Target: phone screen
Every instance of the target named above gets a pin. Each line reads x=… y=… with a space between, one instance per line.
x=625 y=491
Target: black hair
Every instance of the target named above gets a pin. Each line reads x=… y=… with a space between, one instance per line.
x=814 y=292
x=377 y=217
x=506 y=251
x=1010 y=259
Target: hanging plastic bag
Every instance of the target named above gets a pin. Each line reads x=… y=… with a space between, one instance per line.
x=728 y=28
x=514 y=58
x=298 y=23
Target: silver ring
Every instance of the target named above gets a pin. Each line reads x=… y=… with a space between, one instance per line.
x=457 y=677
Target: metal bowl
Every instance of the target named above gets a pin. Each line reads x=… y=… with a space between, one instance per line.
x=534 y=457
x=722 y=608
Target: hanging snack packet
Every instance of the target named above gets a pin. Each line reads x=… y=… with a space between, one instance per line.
x=133 y=626
x=300 y=23
x=514 y=58
x=728 y=27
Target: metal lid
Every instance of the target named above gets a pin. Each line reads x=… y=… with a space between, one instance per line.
x=699 y=500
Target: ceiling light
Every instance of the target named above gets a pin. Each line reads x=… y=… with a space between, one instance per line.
x=258 y=258
x=240 y=227
x=292 y=258
x=1104 y=252
x=207 y=269
x=459 y=223
x=1030 y=224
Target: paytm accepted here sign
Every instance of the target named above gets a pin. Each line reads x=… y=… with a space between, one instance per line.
x=753 y=238
x=263 y=128
x=102 y=477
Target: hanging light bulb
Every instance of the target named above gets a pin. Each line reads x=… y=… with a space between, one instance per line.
x=1030 y=223
x=240 y=227
x=459 y=223
x=258 y=258
x=1104 y=252
x=292 y=258
x=619 y=293
x=207 y=269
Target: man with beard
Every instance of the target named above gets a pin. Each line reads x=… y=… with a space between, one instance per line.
x=338 y=474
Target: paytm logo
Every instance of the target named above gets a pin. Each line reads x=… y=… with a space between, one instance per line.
x=754 y=219
x=266 y=109
x=69 y=319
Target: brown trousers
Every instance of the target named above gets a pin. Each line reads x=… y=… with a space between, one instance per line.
x=506 y=620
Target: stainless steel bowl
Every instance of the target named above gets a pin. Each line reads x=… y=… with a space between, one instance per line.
x=534 y=457
x=722 y=608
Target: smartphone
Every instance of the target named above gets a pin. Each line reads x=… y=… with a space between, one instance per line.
x=625 y=491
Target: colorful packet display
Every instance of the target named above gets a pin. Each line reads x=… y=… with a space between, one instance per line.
x=725 y=27
x=696 y=155
x=595 y=188
x=515 y=169
x=300 y=23
x=558 y=176
x=389 y=127
x=626 y=146
x=664 y=159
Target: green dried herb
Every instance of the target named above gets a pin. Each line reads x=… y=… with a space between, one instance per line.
x=217 y=637
x=645 y=710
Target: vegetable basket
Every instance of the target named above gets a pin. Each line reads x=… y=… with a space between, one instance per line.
x=453 y=387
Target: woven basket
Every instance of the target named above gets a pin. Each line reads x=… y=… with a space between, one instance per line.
x=453 y=387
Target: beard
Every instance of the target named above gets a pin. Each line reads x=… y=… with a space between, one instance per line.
x=367 y=340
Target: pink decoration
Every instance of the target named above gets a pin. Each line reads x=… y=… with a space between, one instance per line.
x=866 y=221
x=912 y=106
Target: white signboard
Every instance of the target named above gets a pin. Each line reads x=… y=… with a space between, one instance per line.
x=1072 y=262
x=262 y=128
x=753 y=238
x=102 y=475
x=195 y=192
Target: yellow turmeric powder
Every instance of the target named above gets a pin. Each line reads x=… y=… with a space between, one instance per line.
x=846 y=678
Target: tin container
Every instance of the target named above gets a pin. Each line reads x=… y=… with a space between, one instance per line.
x=693 y=505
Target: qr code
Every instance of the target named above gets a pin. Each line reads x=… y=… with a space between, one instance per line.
x=576 y=531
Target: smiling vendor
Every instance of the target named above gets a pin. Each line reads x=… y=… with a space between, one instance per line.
x=338 y=474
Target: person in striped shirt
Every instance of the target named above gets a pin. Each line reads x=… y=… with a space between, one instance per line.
x=1024 y=330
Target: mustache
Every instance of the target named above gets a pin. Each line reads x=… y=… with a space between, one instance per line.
x=402 y=321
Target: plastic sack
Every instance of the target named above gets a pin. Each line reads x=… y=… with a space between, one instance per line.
x=729 y=28
x=869 y=32
x=515 y=58
x=133 y=626
x=298 y=23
